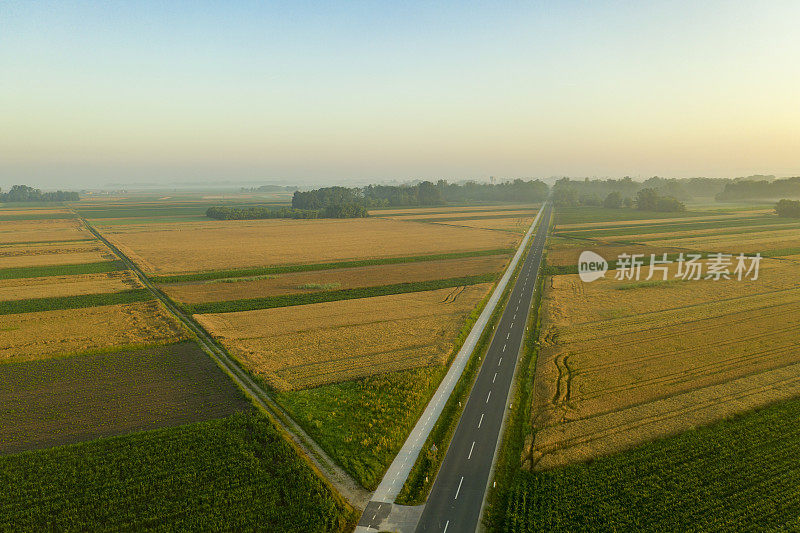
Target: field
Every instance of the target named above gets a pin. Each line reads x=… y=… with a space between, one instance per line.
x=237 y=473
x=736 y=475
x=623 y=362
x=119 y=392
x=74 y=285
x=20 y=255
x=40 y=335
x=198 y=246
x=41 y=231
x=308 y=345
x=344 y=278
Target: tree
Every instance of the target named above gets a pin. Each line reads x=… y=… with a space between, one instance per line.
x=788 y=208
x=613 y=200
x=649 y=200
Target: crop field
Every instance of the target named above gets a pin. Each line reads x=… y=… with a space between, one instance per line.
x=308 y=345
x=56 y=286
x=237 y=473
x=42 y=231
x=344 y=278
x=186 y=247
x=448 y=210
x=529 y=211
x=624 y=362
x=21 y=257
x=40 y=335
x=737 y=475
x=71 y=399
x=513 y=224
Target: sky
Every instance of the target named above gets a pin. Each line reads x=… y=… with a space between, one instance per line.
x=93 y=93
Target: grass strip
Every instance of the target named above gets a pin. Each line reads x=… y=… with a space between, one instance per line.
x=286 y=300
x=61 y=270
x=74 y=302
x=283 y=269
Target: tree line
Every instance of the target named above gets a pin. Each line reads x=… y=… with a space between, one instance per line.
x=620 y=193
x=24 y=193
x=761 y=189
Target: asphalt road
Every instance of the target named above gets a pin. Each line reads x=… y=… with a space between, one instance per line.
x=455 y=501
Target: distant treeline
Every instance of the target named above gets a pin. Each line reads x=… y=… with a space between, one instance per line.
x=23 y=193
x=425 y=193
x=618 y=193
x=760 y=190
x=788 y=208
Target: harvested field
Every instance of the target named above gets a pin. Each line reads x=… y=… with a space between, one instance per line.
x=29 y=336
x=738 y=243
x=197 y=246
x=514 y=224
x=33 y=211
x=622 y=367
x=26 y=288
x=567 y=255
x=55 y=259
x=83 y=397
x=344 y=278
x=308 y=345
x=466 y=215
x=451 y=210
x=42 y=231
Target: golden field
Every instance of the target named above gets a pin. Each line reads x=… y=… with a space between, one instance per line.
x=504 y=213
x=342 y=278
x=304 y=346
x=514 y=224
x=34 y=211
x=57 y=257
x=622 y=362
x=198 y=246
x=450 y=210
x=46 y=334
x=72 y=285
x=21 y=231
x=738 y=243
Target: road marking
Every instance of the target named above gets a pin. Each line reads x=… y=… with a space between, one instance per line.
x=504 y=347
x=459 y=487
x=470 y=450
x=509 y=334
x=515 y=316
x=512 y=325
x=488 y=396
x=500 y=361
x=479 y=421
x=495 y=377
x=445 y=527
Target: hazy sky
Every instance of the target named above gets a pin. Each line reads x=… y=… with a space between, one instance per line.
x=161 y=91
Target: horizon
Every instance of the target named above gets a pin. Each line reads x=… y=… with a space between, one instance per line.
x=370 y=93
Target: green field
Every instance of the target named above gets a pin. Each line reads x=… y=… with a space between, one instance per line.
x=61 y=270
x=363 y=423
x=334 y=295
x=75 y=302
x=234 y=474
x=737 y=475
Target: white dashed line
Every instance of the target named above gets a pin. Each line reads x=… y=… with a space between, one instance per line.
x=459 y=487
x=500 y=361
x=480 y=421
x=507 y=336
x=495 y=377
x=445 y=527
x=470 y=451
x=504 y=347
x=488 y=396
